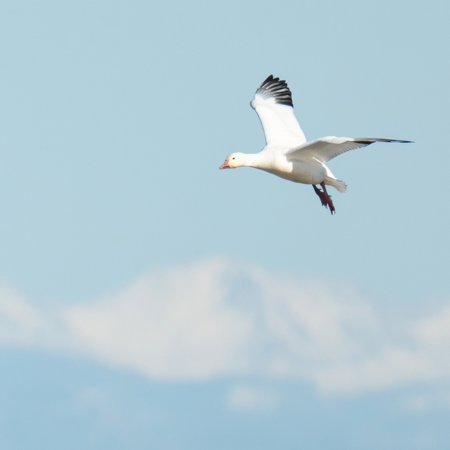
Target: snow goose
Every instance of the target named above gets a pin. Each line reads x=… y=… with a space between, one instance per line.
x=287 y=154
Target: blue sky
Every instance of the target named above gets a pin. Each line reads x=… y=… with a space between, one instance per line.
x=148 y=300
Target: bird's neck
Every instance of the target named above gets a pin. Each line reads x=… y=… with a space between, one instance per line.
x=252 y=159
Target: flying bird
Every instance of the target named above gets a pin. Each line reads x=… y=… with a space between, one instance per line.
x=287 y=154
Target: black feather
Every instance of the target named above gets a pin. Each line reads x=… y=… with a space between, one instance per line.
x=276 y=88
x=369 y=141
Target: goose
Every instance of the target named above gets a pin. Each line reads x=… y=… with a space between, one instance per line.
x=287 y=154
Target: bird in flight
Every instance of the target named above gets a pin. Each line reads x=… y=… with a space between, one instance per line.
x=287 y=154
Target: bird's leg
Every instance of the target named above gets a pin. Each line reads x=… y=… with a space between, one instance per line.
x=321 y=195
x=327 y=198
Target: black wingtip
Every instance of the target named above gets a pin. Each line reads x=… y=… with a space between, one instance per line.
x=267 y=80
x=369 y=141
x=276 y=88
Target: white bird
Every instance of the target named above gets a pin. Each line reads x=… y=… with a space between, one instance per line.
x=287 y=154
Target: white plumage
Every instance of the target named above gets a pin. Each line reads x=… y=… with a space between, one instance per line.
x=287 y=154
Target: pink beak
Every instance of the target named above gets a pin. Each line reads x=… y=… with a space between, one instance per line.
x=225 y=165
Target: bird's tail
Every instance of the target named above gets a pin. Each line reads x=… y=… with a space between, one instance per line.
x=337 y=184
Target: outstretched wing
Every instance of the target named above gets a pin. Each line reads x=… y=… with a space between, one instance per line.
x=273 y=104
x=327 y=148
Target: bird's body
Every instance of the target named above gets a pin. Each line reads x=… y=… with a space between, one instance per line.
x=302 y=170
x=287 y=153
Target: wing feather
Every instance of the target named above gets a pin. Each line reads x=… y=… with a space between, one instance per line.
x=327 y=148
x=273 y=104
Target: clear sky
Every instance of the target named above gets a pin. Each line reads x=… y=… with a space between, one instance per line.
x=149 y=300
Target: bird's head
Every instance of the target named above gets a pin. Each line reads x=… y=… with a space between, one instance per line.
x=234 y=160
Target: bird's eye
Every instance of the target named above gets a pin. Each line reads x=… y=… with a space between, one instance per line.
x=234 y=158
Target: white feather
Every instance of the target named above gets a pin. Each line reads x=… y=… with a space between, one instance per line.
x=280 y=126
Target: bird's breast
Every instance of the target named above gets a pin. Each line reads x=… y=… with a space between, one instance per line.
x=299 y=172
